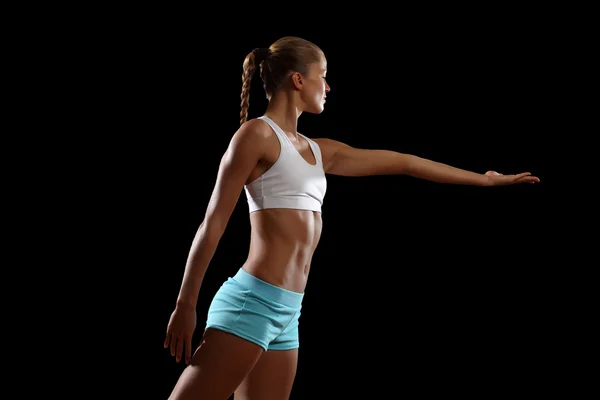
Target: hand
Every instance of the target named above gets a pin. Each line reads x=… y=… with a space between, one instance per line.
x=179 y=332
x=496 y=179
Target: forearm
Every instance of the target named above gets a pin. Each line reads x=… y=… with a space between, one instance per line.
x=442 y=173
x=201 y=252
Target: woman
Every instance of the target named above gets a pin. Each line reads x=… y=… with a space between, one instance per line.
x=250 y=344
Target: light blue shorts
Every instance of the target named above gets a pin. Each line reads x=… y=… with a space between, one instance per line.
x=257 y=311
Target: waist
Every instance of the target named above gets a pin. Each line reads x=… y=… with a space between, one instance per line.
x=275 y=293
x=284 y=235
x=290 y=276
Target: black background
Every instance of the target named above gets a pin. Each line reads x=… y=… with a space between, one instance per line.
x=415 y=286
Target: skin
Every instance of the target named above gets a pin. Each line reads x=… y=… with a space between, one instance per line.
x=282 y=242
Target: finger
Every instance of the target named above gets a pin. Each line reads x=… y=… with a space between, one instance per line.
x=527 y=179
x=522 y=175
x=179 y=349
x=188 y=351
x=174 y=341
x=530 y=179
x=167 y=339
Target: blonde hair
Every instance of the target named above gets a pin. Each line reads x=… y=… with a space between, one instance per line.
x=287 y=54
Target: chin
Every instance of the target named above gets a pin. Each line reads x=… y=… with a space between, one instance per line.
x=316 y=109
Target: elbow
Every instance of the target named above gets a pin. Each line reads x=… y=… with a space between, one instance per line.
x=408 y=165
x=212 y=229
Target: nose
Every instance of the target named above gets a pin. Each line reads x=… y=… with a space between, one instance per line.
x=327 y=88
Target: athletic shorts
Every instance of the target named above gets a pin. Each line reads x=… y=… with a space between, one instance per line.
x=257 y=311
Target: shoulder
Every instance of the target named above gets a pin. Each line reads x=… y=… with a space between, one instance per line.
x=330 y=148
x=254 y=129
x=330 y=145
x=254 y=133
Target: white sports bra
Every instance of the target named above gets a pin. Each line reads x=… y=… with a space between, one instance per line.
x=291 y=182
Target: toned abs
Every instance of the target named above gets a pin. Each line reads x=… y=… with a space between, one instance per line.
x=282 y=244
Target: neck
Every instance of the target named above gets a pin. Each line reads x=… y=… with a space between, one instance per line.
x=284 y=110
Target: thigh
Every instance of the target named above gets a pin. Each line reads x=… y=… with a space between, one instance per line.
x=271 y=378
x=218 y=366
x=289 y=338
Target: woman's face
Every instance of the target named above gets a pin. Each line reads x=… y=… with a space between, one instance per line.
x=314 y=87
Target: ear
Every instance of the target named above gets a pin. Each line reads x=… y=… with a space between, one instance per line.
x=297 y=80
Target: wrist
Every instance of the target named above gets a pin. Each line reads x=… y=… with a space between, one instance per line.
x=486 y=181
x=185 y=304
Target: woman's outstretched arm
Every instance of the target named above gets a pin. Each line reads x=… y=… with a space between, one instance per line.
x=342 y=159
